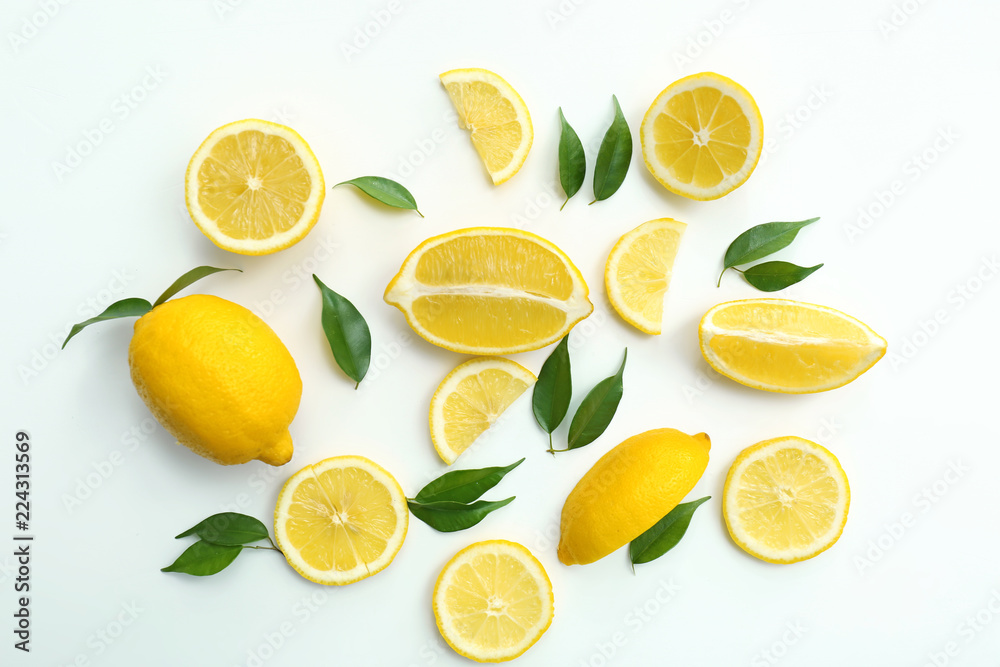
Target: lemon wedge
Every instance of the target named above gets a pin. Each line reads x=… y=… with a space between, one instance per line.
x=638 y=271
x=496 y=117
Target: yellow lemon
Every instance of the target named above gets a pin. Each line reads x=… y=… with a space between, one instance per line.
x=628 y=490
x=217 y=378
x=787 y=346
x=702 y=136
x=493 y=601
x=495 y=115
x=254 y=187
x=340 y=520
x=489 y=290
x=638 y=272
x=786 y=500
x=470 y=399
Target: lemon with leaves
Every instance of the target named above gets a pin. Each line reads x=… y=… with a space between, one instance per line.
x=214 y=375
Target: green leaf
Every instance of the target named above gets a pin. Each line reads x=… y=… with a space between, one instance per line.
x=347 y=331
x=665 y=533
x=463 y=486
x=125 y=308
x=572 y=160
x=229 y=529
x=613 y=158
x=774 y=276
x=385 y=190
x=553 y=389
x=761 y=241
x=188 y=278
x=202 y=559
x=448 y=517
x=597 y=409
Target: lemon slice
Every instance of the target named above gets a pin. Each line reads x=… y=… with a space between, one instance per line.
x=493 y=601
x=254 y=187
x=496 y=116
x=702 y=136
x=637 y=274
x=470 y=399
x=787 y=346
x=785 y=500
x=340 y=520
x=489 y=290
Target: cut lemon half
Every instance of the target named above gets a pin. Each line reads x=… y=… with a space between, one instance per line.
x=637 y=274
x=493 y=601
x=470 y=399
x=787 y=346
x=496 y=116
x=254 y=187
x=702 y=136
x=489 y=290
x=340 y=520
x=785 y=500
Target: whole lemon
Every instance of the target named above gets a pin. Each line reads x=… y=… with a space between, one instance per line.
x=217 y=378
x=628 y=490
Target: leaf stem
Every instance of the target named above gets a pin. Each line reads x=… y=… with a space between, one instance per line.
x=719 y=284
x=248 y=546
x=564 y=204
x=592 y=203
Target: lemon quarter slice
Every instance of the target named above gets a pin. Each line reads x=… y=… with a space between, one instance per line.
x=340 y=520
x=493 y=601
x=702 y=136
x=489 y=290
x=638 y=271
x=470 y=399
x=786 y=500
x=496 y=116
x=254 y=187
x=787 y=346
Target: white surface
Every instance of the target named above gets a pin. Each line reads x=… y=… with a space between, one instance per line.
x=898 y=430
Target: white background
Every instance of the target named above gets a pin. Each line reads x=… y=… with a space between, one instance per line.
x=852 y=93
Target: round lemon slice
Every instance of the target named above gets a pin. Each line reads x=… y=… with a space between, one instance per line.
x=340 y=520
x=495 y=115
x=786 y=346
x=785 y=500
x=489 y=290
x=493 y=601
x=638 y=271
x=702 y=136
x=470 y=399
x=254 y=187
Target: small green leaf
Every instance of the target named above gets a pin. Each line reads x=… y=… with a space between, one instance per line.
x=202 y=559
x=597 y=409
x=229 y=529
x=614 y=157
x=665 y=533
x=774 y=276
x=385 y=190
x=188 y=278
x=553 y=390
x=572 y=160
x=348 y=334
x=761 y=241
x=125 y=308
x=463 y=486
x=448 y=517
